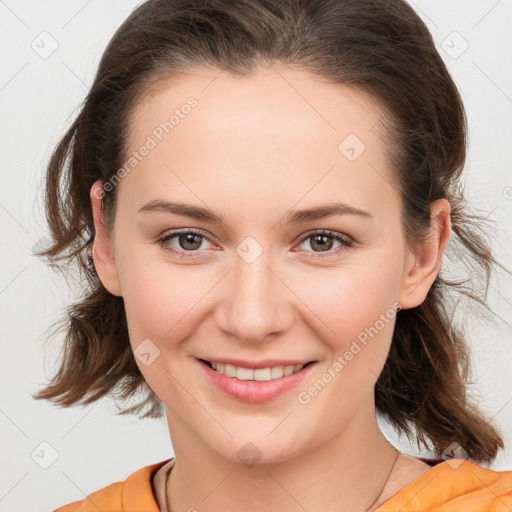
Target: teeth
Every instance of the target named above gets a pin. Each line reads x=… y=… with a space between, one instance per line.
x=261 y=374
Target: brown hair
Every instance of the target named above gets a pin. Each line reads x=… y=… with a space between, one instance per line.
x=379 y=46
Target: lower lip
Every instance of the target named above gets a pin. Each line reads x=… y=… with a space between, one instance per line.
x=254 y=391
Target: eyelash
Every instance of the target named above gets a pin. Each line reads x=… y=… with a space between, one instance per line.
x=344 y=240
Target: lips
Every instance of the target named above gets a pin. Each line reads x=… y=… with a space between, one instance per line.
x=256 y=382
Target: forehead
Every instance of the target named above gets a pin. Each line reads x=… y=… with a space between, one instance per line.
x=273 y=97
x=280 y=127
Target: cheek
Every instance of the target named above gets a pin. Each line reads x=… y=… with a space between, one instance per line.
x=359 y=310
x=346 y=301
x=158 y=298
x=356 y=307
x=164 y=304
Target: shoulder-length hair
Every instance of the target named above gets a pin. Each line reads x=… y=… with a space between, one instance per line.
x=379 y=46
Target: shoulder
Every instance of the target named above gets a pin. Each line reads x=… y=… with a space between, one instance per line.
x=135 y=494
x=454 y=486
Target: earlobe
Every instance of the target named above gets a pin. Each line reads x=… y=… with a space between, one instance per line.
x=425 y=261
x=102 y=251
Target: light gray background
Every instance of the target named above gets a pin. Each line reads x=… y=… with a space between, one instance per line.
x=39 y=93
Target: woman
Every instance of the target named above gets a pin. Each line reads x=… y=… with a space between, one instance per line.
x=260 y=194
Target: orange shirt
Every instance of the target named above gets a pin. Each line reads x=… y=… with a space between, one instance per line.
x=450 y=486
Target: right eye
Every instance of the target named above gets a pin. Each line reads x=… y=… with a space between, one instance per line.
x=188 y=241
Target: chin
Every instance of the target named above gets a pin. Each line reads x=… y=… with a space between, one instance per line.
x=250 y=450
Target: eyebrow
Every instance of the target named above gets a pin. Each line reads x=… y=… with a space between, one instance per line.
x=187 y=210
x=291 y=217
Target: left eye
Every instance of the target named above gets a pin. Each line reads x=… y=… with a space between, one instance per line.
x=323 y=241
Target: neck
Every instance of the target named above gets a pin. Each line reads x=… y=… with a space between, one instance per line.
x=347 y=472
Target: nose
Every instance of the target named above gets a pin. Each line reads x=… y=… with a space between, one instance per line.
x=256 y=304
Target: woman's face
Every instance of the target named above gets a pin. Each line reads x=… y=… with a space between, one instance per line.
x=253 y=286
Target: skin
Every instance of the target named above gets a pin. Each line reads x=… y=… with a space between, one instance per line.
x=253 y=149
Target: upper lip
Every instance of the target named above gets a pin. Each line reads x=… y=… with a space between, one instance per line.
x=255 y=365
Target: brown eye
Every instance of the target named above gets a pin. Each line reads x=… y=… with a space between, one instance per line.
x=189 y=241
x=182 y=242
x=323 y=241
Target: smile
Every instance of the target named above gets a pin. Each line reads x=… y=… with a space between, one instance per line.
x=260 y=374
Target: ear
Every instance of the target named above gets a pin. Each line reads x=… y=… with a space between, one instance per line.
x=102 y=251
x=424 y=262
